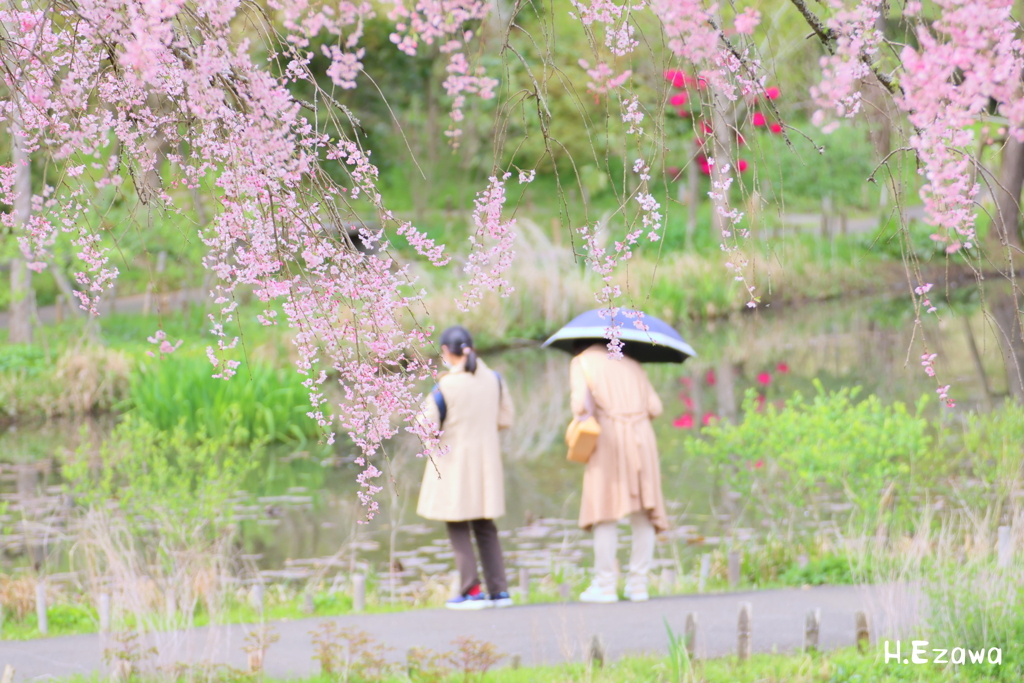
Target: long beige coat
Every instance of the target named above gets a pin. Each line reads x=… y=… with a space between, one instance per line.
x=622 y=476
x=467 y=482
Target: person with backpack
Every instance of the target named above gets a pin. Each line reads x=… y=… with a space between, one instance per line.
x=464 y=486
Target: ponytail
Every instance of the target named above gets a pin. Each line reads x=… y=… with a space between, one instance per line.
x=460 y=343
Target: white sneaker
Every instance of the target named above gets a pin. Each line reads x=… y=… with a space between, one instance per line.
x=637 y=596
x=598 y=595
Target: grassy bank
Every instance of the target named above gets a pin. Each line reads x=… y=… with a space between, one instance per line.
x=486 y=665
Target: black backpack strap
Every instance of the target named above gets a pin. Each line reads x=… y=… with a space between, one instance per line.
x=442 y=407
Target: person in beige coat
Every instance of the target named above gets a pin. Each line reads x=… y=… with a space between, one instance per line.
x=465 y=486
x=622 y=478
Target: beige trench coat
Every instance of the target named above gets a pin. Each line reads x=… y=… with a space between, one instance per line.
x=467 y=482
x=623 y=475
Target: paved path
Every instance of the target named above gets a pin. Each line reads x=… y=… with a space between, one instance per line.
x=549 y=633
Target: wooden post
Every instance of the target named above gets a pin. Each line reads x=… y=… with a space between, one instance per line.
x=58 y=309
x=358 y=593
x=309 y=605
x=690 y=634
x=8 y=676
x=826 y=210
x=705 y=569
x=597 y=651
x=258 y=598
x=743 y=631
x=104 y=610
x=734 y=568
x=170 y=603
x=516 y=661
x=565 y=590
x=1004 y=547
x=524 y=584
x=811 y=630
x=668 y=580
x=41 y=605
x=860 y=618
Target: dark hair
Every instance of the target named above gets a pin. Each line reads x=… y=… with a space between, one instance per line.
x=581 y=345
x=458 y=339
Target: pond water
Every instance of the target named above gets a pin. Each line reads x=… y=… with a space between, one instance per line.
x=306 y=518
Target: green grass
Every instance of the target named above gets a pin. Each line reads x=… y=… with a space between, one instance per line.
x=261 y=403
x=840 y=666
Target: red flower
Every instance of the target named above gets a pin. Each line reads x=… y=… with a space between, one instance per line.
x=685 y=113
x=678 y=79
x=742 y=165
x=740 y=140
x=782 y=368
x=772 y=93
x=759 y=464
x=686 y=381
x=764 y=378
x=760 y=402
x=705 y=128
x=758 y=119
x=775 y=128
x=708 y=418
x=683 y=422
x=705 y=167
x=710 y=378
x=674 y=172
x=688 y=402
x=701 y=83
x=679 y=99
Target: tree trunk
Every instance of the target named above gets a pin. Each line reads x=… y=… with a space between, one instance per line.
x=22 y=299
x=1006 y=306
x=1005 y=310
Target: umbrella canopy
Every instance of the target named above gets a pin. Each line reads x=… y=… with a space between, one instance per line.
x=659 y=343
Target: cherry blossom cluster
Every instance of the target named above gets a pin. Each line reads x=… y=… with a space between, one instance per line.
x=968 y=56
x=619 y=31
x=491 y=244
x=459 y=82
x=603 y=78
x=856 y=43
x=731 y=232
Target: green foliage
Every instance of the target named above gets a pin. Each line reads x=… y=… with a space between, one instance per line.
x=832 y=570
x=800 y=173
x=783 y=458
x=24 y=358
x=182 y=481
x=259 y=404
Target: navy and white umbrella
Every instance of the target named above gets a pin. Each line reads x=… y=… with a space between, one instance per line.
x=659 y=343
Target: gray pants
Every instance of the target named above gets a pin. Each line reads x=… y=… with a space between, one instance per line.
x=490 y=554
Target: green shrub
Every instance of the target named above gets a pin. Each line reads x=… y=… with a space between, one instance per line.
x=810 y=456
x=829 y=569
x=260 y=403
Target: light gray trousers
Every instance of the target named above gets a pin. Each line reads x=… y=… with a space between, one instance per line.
x=606 y=541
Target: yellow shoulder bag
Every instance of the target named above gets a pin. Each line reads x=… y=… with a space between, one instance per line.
x=581 y=436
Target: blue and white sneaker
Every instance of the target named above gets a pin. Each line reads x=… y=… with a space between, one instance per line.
x=502 y=599
x=473 y=600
